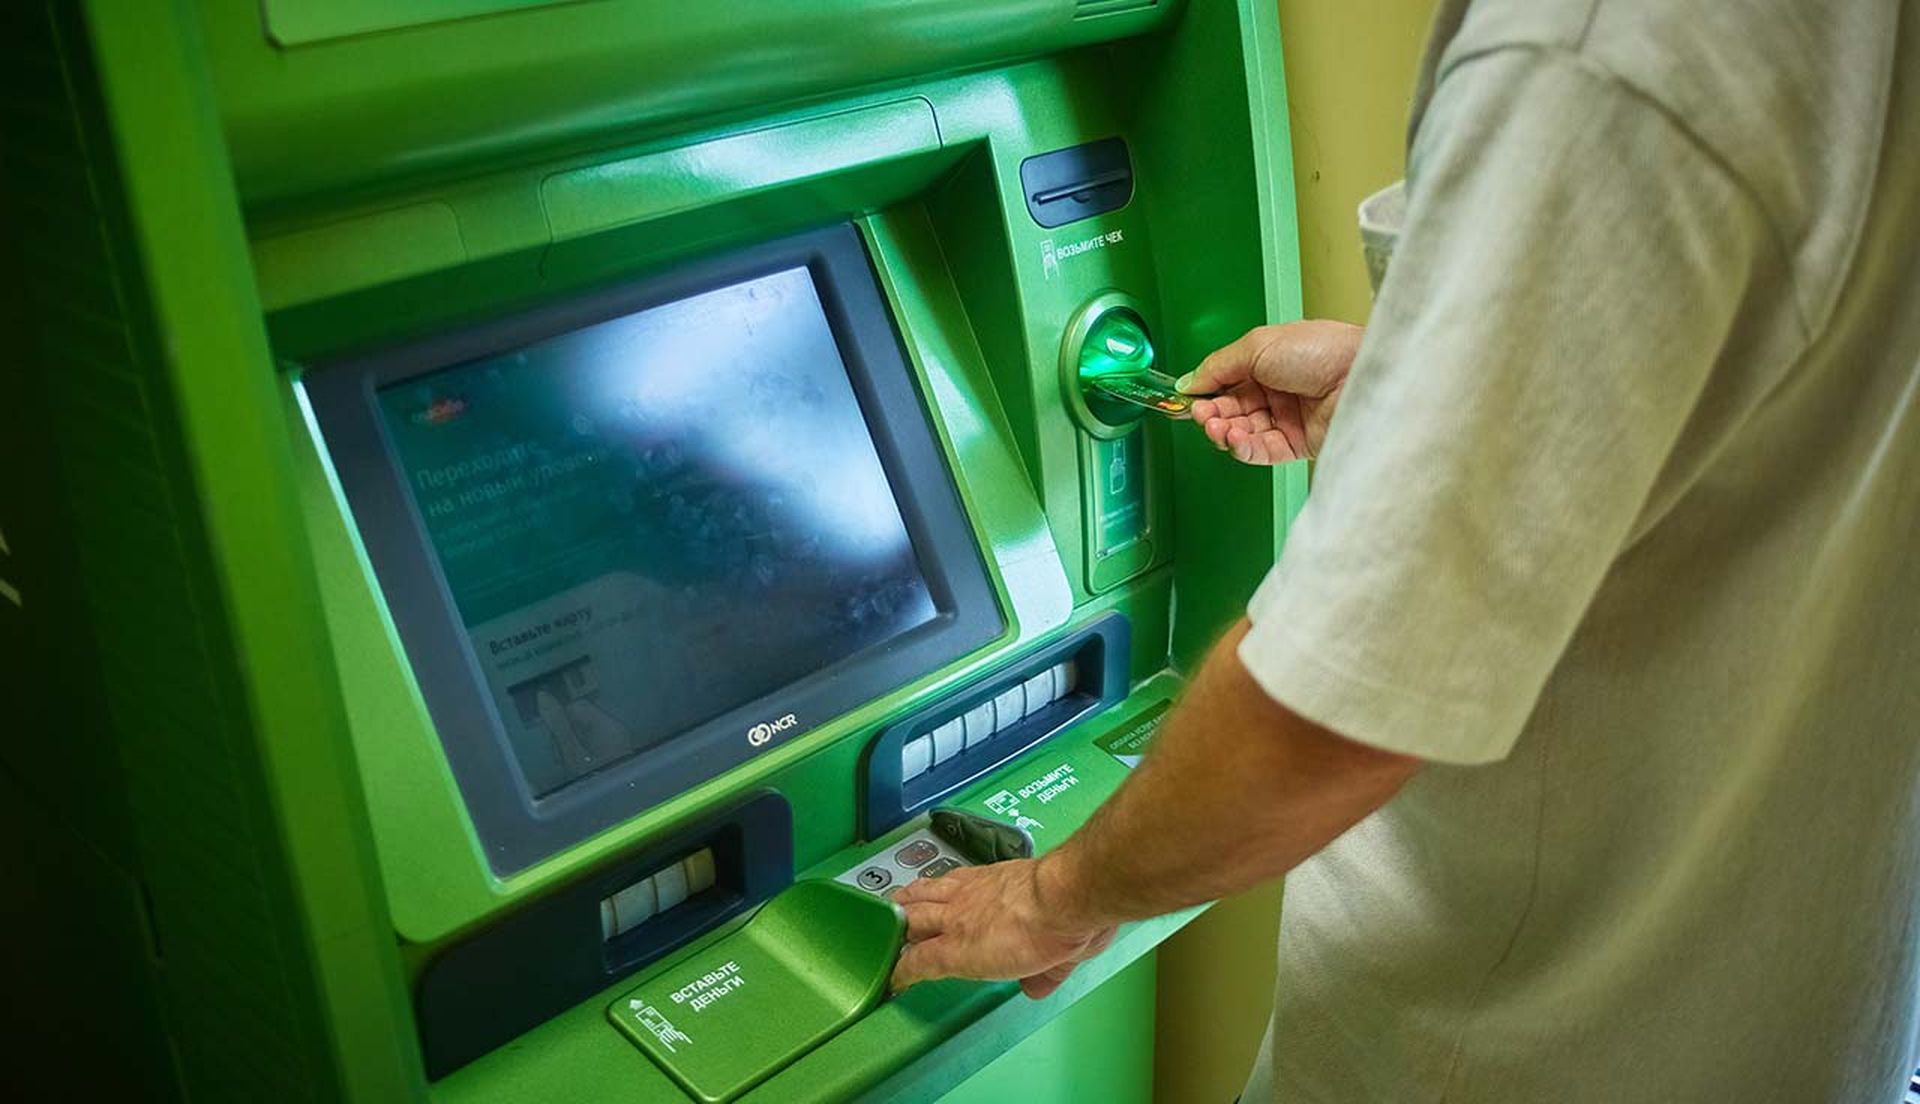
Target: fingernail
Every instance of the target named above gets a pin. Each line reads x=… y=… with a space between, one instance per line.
x=1184 y=382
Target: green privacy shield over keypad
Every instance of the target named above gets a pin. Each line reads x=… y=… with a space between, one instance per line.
x=739 y=1009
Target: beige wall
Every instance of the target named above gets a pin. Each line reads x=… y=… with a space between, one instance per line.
x=1350 y=70
x=1350 y=67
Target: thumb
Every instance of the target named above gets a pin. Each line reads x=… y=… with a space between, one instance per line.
x=1224 y=367
x=1302 y=358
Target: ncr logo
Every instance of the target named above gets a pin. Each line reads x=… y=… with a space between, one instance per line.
x=759 y=734
x=8 y=590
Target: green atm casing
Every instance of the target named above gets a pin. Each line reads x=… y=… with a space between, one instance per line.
x=806 y=964
x=229 y=810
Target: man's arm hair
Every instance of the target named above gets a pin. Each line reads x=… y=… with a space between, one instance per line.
x=1237 y=790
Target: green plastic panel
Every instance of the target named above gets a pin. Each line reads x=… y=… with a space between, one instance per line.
x=210 y=208
x=736 y=1011
x=1118 y=494
x=431 y=96
x=384 y=245
x=912 y=1047
x=1100 y=1049
x=655 y=185
x=296 y=22
x=277 y=974
x=933 y=1037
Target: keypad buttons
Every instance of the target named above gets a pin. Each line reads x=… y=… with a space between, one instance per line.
x=917 y=853
x=939 y=867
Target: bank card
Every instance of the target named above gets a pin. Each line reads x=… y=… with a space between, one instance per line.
x=1148 y=390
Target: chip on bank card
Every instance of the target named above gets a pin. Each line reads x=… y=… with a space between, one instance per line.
x=1150 y=390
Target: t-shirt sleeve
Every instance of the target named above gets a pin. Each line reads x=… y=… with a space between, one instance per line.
x=1570 y=267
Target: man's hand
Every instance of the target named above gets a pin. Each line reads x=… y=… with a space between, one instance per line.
x=1236 y=790
x=1274 y=390
x=1007 y=920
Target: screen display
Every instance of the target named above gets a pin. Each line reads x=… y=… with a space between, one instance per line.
x=651 y=521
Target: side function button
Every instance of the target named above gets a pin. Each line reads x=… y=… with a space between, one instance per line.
x=627 y=908
x=978 y=724
x=700 y=875
x=1009 y=708
x=916 y=755
x=1039 y=691
x=1065 y=678
x=671 y=886
x=947 y=741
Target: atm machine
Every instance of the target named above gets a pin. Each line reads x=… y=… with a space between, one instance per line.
x=518 y=515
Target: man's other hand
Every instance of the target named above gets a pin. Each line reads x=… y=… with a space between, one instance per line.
x=1007 y=920
x=1272 y=392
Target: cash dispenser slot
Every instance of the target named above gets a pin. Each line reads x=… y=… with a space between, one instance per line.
x=937 y=750
x=732 y=1013
x=563 y=948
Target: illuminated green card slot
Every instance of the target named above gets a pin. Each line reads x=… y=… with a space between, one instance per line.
x=735 y=1012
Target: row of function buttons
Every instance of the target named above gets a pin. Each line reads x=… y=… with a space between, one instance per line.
x=1014 y=704
x=651 y=896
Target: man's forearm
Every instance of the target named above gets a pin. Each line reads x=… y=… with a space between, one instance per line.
x=1236 y=791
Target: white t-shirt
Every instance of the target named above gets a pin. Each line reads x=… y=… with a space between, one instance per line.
x=1618 y=523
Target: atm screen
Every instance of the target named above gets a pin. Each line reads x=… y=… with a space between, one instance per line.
x=632 y=541
x=648 y=522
